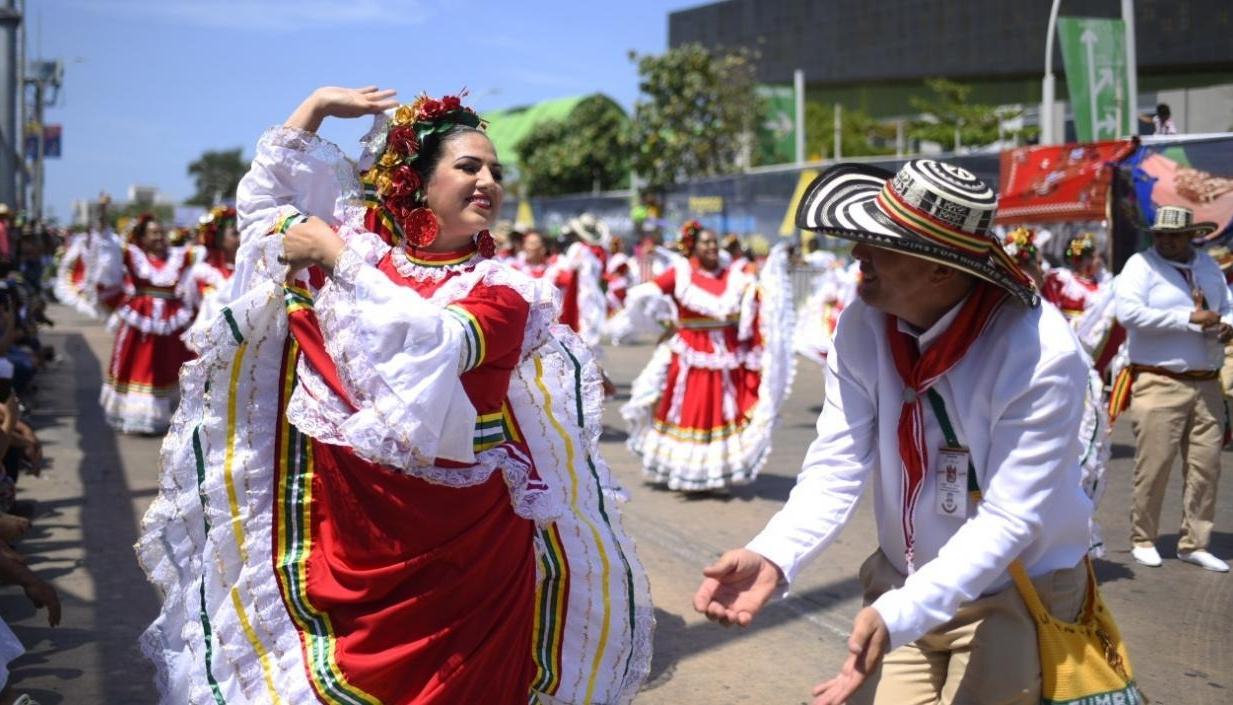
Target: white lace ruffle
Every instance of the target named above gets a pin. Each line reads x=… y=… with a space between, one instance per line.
x=137 y=412
x=170 y=274
x=157 y=323
x=66 y=291
x=647 y=311
x=722 y=358
x=396 y=362
x=725 y=305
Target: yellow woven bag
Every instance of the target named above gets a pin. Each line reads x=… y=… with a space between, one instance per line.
x=1083 y=662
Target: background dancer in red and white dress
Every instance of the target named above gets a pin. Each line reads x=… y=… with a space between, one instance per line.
x=1095 y=429
x=1073 y=287
x=152 y=309
x=71 y=282
x=700 y=415
x=834 y=287
x=620 y=274
x=577 y=274
x=210 y=277
x=77 y=271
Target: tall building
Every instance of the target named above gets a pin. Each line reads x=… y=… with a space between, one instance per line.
x=874 y=56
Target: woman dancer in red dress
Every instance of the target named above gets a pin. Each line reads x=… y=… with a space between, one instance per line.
x=701 y=413
x=391 y=493
x=151 y=310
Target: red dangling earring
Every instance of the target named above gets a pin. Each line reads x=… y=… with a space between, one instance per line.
x=487 y=246
x=421 y=227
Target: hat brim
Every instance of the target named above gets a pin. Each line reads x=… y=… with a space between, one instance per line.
x=841 y=202
x=1201 y=229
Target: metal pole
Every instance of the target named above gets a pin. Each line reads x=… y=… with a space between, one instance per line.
x=838 y=131
x=798 y=84
x=22 y=176
x=1132 y=67
x=1047 y=85
x=10 y=136
x=38 y=151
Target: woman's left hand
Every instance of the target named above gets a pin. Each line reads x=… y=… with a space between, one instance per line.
x=312 y=242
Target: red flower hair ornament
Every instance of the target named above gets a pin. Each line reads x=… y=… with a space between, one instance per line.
x=689 y=236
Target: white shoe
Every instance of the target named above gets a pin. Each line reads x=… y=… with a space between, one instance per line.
x=1146 y=555
x=1204 y=560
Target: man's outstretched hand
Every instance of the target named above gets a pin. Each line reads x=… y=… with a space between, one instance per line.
x=736 y=586
x=868 y=643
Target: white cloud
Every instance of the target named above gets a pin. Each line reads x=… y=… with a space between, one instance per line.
x=267 y=15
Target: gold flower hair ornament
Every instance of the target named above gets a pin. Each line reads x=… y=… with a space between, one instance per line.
x=214 y=223
x=1020 y=244
x=1080 y=246
x=393 y=188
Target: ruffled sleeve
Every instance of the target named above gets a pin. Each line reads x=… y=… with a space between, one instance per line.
x=399 y=358
x=293 y=171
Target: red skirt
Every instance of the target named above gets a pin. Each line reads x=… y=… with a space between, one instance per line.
x=410 y=592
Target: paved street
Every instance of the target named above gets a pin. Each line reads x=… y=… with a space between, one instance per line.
x=1176 y=619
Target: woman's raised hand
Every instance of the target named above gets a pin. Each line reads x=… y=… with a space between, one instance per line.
x=331 y=101
x=354 y=102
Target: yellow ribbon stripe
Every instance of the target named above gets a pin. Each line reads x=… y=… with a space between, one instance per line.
x=237 y=525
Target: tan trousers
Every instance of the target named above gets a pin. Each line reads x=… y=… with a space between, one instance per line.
x=986 y=655
x=1171 y=416
x=1226 y=371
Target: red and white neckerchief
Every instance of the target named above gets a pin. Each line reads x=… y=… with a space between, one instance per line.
x=919 y=373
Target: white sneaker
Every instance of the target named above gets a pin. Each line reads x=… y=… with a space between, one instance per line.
x=1204 y=560
x=1146 y=555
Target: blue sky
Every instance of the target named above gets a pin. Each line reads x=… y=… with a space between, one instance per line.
x=151 y=84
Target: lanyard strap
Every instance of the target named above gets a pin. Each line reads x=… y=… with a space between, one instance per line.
x=948 y=431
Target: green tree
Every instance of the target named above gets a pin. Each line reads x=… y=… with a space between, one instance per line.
x=947 y=116
x=587 y=151
x=216 y=173
x=697 y=113
x=861 y=135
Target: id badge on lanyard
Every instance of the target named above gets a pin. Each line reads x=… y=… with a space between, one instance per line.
x=950 y=495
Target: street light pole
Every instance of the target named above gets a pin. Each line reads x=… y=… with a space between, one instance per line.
x=1047 y=84
x=1132 y=69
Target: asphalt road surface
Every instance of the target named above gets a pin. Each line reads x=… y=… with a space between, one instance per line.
x=1177 y=619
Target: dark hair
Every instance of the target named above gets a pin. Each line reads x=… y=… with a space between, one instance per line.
x=1163 y=112
x=433 y=148
x=143 y=223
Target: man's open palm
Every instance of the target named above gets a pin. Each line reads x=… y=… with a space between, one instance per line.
x=736 y=586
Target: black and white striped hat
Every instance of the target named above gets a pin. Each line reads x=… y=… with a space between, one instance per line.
x=930 y=209
x=1178 y=219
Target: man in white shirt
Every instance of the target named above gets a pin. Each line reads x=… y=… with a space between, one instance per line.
x=1175 y=306
x=946 y=376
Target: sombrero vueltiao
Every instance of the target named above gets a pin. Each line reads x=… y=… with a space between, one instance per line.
x=1178 y=219
x=930 y=209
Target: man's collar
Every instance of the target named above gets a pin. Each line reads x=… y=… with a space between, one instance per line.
x=1194 y=254
x=926 y=338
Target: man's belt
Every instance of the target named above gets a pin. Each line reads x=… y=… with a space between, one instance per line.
x=1188 y=375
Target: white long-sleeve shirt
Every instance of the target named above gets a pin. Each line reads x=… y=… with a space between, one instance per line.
x=1015 y=400
x=1154 y=304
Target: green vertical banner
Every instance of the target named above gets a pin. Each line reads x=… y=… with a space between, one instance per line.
x=777 y=129
x=1094 y=54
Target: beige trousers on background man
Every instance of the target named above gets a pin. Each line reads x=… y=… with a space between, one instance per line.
x=1171 y=416
x=986 y=655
